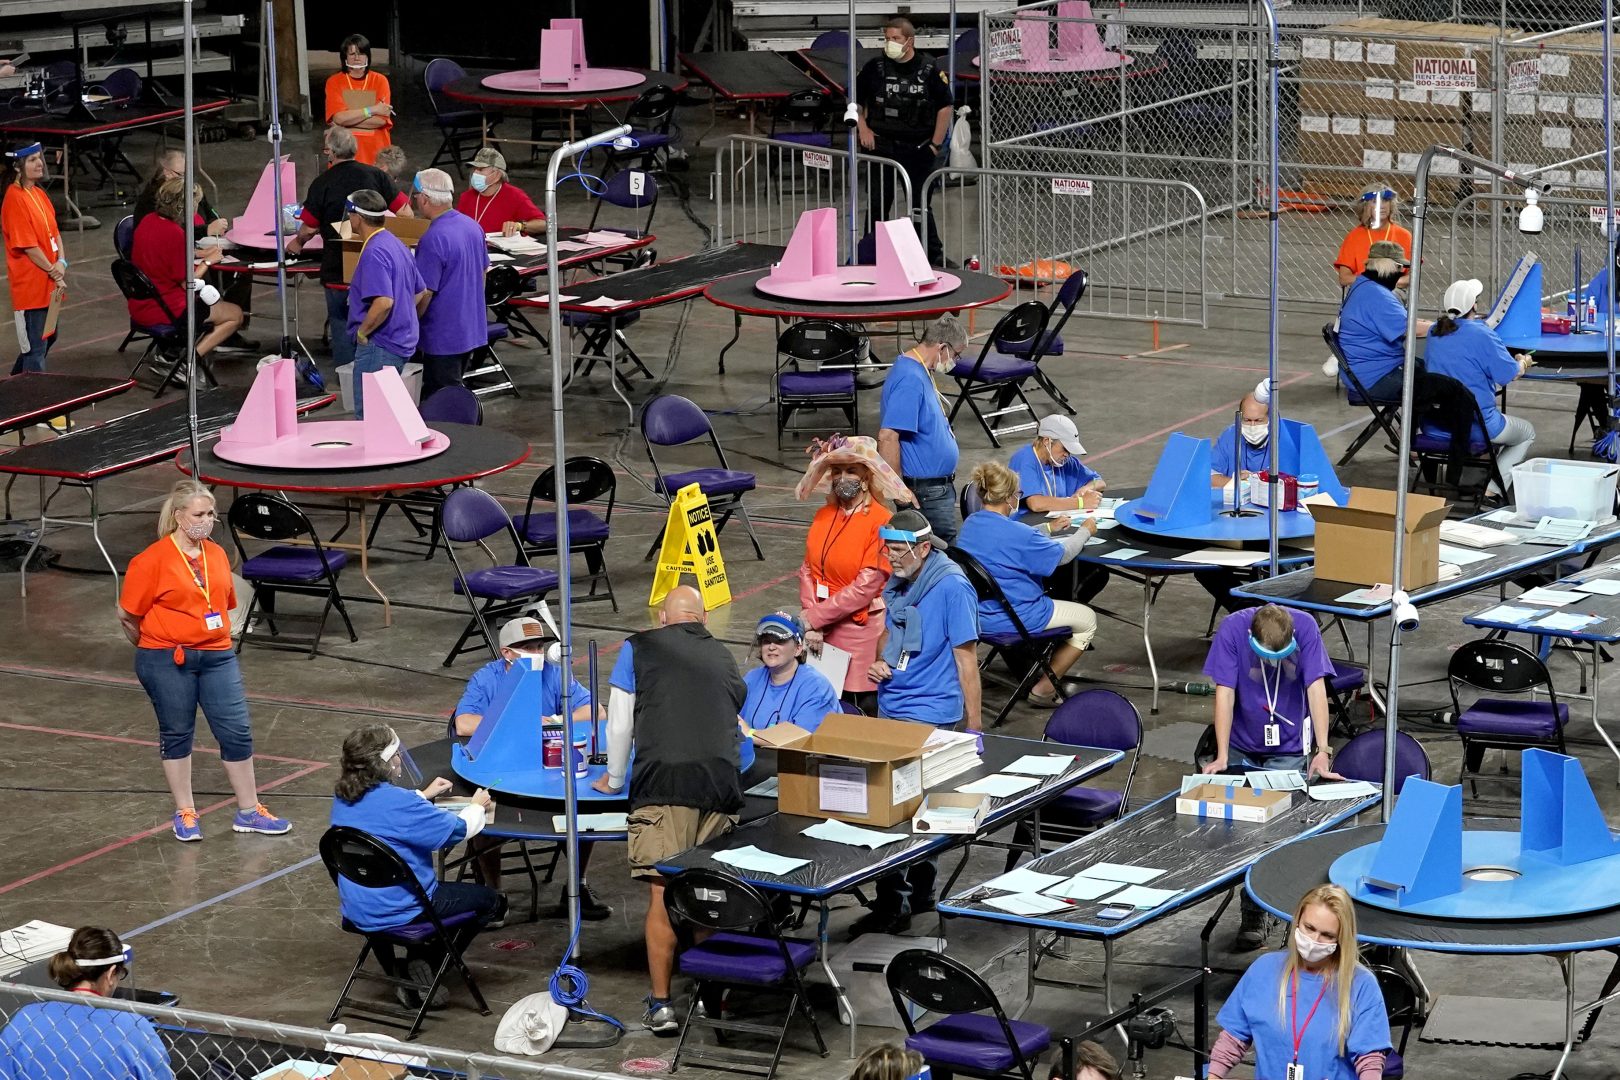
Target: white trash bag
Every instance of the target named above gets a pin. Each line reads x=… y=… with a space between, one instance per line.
x=962 y=142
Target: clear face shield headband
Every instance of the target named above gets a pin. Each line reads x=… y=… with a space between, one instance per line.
x=1378 y=198
x=96 y=966
x=394 y=752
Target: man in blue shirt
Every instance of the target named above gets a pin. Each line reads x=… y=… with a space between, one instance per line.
x=1372 y=323
x=452 y=258
x=1052 y=478
x=383 y=295
x=1243 y=448
x=914 y=431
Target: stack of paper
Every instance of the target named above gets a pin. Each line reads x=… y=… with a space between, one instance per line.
x=840 y=832
x=1218 y=779
x=1507 y=613
x=999 y=786
x=1131 y=875
x=604 y=238
x=30 y=942
x=1549 y=597
x=1023 y=880
x=1350 y=789
x=593 y=822
x=1598 y=587
x=1027 y=903
x=517 y=245
x=1042 y=764
x=1276 y=780
x=1471 y=535
x=947 y=754
x=1566 y=621
x=1081 y=887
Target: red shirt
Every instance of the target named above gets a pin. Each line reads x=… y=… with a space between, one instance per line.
x=28 y=220
x=158 y=250
x=509 y=203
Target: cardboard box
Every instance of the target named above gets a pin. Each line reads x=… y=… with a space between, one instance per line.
x=1233 y=802
x=1355 y=543
x=408 y=229
x=854 y=768
x=351 y=1068
x=950 y=812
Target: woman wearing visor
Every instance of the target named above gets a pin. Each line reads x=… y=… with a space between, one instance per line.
x=1375 y=221
x=36 y=264
x=69 y=1041
x=782 y=690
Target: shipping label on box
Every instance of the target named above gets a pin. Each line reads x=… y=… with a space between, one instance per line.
x=1381 y=160
x=1380 y=89
x=1233 y=802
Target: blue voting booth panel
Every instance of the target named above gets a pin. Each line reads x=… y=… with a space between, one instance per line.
x=1523 y=317
x=1300 y=453
x=505 y=754
x=1178 y=494
x=1420 y=856
x=1560 y=820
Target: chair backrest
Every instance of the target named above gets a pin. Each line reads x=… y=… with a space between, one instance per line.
x=1444 y=404
x=670 y=420
x=718 y=901
x=587 y=479
x=849 y=708
x=1362 y=758
x=1070 y=292
x=1330 y=334
x=816 y=343
x=122 y=86
x=1206 y=748
x=1022 y=324
x=986 y=586
x=469 y=514
x=137 y=286
x=1497 y=667
x=501 y=283
x=362 y=859
x=653 y=110
x=831 y=39
x=439 y=74
x=1401 y=1003
x=970 y=501
x=619 y=190
x=268 y=518
x=452 y=405
x=938 y=983
x=812 y=106
x=967 y=41
x=1096 y=717
x=124 y=236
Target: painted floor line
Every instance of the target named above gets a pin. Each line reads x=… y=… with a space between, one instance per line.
x=229 y=894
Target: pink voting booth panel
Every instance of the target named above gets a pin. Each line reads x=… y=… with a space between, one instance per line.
x=563 y=66
x=1079 y=46
x=267 y=431
x=809 y=268
x=256 y=227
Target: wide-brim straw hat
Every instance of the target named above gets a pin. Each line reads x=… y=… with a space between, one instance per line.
x=851 y=450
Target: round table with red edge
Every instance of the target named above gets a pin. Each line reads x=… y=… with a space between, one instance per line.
x=472 y=91
x=474 y=453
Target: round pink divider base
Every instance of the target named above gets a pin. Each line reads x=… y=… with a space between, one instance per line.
x=854 y=285
x=327 y=444
x=1099 y=61
x=588 y=79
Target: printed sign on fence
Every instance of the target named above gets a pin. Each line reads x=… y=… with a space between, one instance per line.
x=1067 y=186
x=1597 y=214
x=815 y=159
x=1005 y=45
x=1445 y=72
x=1524 y=76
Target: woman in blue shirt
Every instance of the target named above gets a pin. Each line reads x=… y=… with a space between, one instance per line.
x=1020 y=559
x=58 y=1040
x=1310 y=1003
x=782 y=690
x=1462 y=347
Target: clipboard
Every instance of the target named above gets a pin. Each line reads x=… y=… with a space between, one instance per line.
x=54 y=312
x=359 y=99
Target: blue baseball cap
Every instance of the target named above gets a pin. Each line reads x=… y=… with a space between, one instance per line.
x=781 y=626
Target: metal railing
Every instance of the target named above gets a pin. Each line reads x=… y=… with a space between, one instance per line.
x=1485 y=224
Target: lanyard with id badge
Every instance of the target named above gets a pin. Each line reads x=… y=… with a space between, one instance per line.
x=1296 y=1071
x=212 y=619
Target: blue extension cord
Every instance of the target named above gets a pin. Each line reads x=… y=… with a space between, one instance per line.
x=569 y=985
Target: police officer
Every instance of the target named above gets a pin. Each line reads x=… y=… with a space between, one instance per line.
x=905 y=110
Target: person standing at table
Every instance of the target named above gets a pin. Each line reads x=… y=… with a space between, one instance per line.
x=360 y=100
x=905 y=112
x=175 y=609
x=676 y=698
x=36 y=263
x=844 y=571
x=495 y=204
x=1308 y=1009
x=452 y=259
x=1375 y=221
x=914 y=428
x=1270 y=670
x=384 y=296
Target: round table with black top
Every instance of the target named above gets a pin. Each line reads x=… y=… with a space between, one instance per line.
x=472 y=91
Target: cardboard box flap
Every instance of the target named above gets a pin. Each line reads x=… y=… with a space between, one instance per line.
x=780 y=736
x=864 y=738
x=1374 y=508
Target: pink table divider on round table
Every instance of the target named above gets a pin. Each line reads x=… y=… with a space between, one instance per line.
x=809 y=268
x=563 y=68
x=1079 y=47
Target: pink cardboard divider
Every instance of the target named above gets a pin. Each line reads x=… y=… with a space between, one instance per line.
x=901 y=260
x=809 y=268
x=812 y=249
x=1079 y=46
x=267 y=431
x=556 y=57
x=574 y=29
x=256 y=227
x=590 y=80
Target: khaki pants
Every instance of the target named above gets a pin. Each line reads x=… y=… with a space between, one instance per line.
x=658 y=832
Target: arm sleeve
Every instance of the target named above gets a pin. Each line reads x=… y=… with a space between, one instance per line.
x=472 y=820
x=399 y=198
x=140 y=587
x=1369 y=1021
x=152 y=1056
x=307 y=216
x=1226 y=1054
x=1347 y=253
x=856 y=596
x=20 y=229
x=1043 y=554
x=901 y=406
x=430 y=265
x=807 y=588
x=1370 y=1066
x=1390 y=321
x=939 y=90
x=424 y=825
x=624 y=670
x=620 y=729
x=1087 y=473
x=476 y=698
x=334 y=98
x=1222 y=663
x=1073 y=544
x=526 y=210
x=865 y=90
x=1030 y=480
x=962 y=614
x=815 y=706
x=577 y=695
x=1220 y=455
x=385 y=96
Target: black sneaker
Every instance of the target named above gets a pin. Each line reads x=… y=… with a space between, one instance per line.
x=591 y=908
x=880 y=922
x=660 y=1018
x=1251 y=931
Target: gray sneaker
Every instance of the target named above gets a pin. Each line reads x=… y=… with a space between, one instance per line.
x=660 y=1018
x=422 y=972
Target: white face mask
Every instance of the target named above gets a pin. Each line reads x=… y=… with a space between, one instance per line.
x=1256 y=434
x=1310 y=950
x=356 y=68
x=894 y=50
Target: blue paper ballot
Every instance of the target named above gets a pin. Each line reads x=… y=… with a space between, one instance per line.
x=1548 y=597
x=766 y=788
x=1081 y=887
x=1276 y=780
x=1140 y=896
x=1023 y=880
x=761 y=862
x=1507 y=613
x=1125 y=553
x=999 y=786
x=842 y=833
x=1131 y=875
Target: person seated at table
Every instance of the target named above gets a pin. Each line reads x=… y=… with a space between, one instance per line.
x=367 y=798
x=1020 y=559
x=360 y=100
x=1320 y=965
x=384 y=295
x=160 y=251
x=391 y=160
x=67 y=1040
x=783 y=689
x=1243 y=448
x=1092 y=1062
x=1270 y=670
x=1462 y=347
x=171 y=165
x=1372 y=323
x=889 y=1061
x=496 y=205
x=1053 y=479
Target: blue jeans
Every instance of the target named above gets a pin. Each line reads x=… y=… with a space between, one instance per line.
x=337 y=327
x=937 y=501
x=210 y=678
x=370 y=357
x=1388 y=387
x=33 y=327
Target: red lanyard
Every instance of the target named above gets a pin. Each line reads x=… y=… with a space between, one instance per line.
x=1293 y=1011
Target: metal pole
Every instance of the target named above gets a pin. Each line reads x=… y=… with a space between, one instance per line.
x=190 y=212
x=950 y=65
x=565 y=613
x=275 y=178
x=853 y=180
x=1609 y=227
x=1274 y=405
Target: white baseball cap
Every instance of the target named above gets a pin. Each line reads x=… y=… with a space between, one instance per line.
x=1461 y=296
x=525 y=630
x=1060 y=427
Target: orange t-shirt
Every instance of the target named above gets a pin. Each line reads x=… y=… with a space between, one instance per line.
x=28 y=220
x=368 y=142
x=161 y=588
x=841 y=545
x=1353 y=252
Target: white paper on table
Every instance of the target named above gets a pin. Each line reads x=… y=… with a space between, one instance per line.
x=1041 y=764
x=500 y=257
x=310 y=1069
x=1106 y=525
x=843 y=788
x=1093 y=541
x=1276 y=780
x=759 y=860
x=545 y=298
x=832 y=662
x=1547 y=597
x=1081 y=887
x=603 y=302
x=767 y=788
x=1507 y=613
x=1461 y=556
x=1506 y=516
x=1350 y=789
x=839 y=832
x=593 y=822
x=1131 y=875
x=1125 y=553
x=1218 y=779
x=1599 y=586
x=1023 y=879
x=998 y=786
x=1372 y=594
x=271 y=265
x=1219 y=556
x=604 y=239
x=1139 y=896
x=1027 y=903
x=1566 y=620
x=572 y=245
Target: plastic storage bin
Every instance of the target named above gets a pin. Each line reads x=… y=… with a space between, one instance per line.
x=1555 y=487
x=859 y=967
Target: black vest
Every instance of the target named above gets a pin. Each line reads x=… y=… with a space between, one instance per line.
x=901 y=107
x=688 y=695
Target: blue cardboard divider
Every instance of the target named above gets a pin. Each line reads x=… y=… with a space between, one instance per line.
x=1178 y=494
x=1523 y=316
x=1559 y=815
x=1300 y=453
x=1420 y=856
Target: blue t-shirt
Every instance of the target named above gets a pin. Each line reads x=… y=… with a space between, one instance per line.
x=1474 y=356
x=387 y=269
x=1232 y=663
x=805 y=699
x=1020 y=559
x=1372 y=330
x=910 y=405
x=59 y=1040
x=481 y=689
x=928 y=688
x=1058 y=481
x=410 y=825
x=1255 y=458
x=451 y=257
x=1252 y=1014
x=624 y=677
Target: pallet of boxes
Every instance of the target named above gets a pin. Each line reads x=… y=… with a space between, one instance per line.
x=1553 y=111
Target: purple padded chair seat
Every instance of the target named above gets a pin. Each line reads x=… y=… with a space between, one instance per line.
x=287 y=563
x=997 y=367
x=1521 y=719
x=1432 y=440
x=1085 y=806
x=541 y=526
x=416 y=931
x=506 y=582
x=1012 y=641
x=155 y=330
x=496 y=331
x=580 y=319
x=1346 y=677
x=743 y=958
x=975 y=1041
x=647 y=140
x=810 y=383
x=713 y=481
x=1394 y=1066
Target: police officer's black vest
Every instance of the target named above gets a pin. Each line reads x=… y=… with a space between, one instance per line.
x=902 y=109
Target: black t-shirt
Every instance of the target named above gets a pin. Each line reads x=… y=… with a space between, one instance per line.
x=902 y=99
x=688 y=696
x=323 y=206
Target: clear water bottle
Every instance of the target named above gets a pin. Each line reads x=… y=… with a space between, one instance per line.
x=1309 y=485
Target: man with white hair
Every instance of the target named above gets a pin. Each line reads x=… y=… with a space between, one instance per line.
x=914 y=429
x=452 y=259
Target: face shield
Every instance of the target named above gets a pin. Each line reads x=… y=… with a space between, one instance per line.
x=399 y=762
x=1273 y=656
x=1380 y=200
x=123 y=960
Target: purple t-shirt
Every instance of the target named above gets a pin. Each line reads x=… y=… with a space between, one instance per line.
x=452 y=258
x=1233 y=663
x=387 y=269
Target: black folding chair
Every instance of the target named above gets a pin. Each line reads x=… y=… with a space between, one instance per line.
x=1038 y=644
x=1450 y=439
x=1385 y=415
x=168 y=339
x=588 y=480
x=305 y=568
x=998 y=377
x=965 y=1039
x=822 y=356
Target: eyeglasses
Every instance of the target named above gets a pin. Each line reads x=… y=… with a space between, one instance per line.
x=765 y=639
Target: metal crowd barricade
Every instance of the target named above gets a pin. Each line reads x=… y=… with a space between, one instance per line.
x=1485 y=242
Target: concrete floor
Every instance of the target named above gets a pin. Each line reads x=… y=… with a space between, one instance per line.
x=246 y=925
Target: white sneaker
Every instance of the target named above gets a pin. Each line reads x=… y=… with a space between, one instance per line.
x=1330 y=366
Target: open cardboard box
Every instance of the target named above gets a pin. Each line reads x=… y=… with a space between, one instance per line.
x=408 y=229
x=1356 y=542
x=854 y=768
x=950 y=812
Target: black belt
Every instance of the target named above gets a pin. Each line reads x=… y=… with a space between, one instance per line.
x=913 y=481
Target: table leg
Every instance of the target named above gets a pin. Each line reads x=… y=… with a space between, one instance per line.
x=39 y=536
x=95 y=532
x=1371 y=688
x=365 y=564
x=1566 y=964
x=1029 y=974
x=1147 y=641
x=1597 y=682
x=736 y=332
x=1108 y=974
x=845 y=1005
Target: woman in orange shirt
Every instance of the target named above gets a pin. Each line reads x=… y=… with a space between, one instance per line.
x=1375 y=221
x=176 y=611
x=359 y=99
x=845 y=568
x=36 y=266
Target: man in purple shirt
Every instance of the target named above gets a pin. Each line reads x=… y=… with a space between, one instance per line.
x=382 y=295
x=452 y=258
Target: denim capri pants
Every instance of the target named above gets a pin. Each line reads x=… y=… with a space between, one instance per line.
x=210 y=678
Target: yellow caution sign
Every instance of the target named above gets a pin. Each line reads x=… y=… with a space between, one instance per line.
x=691 y=547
